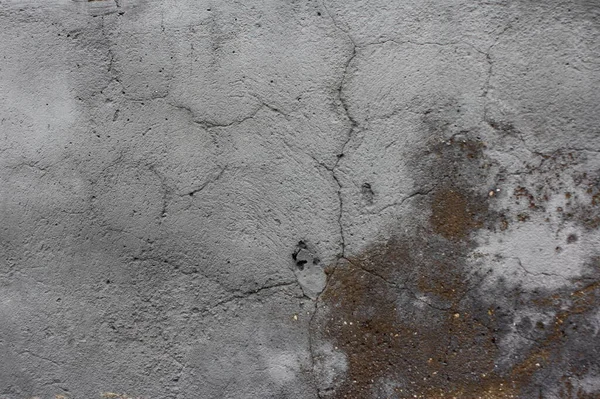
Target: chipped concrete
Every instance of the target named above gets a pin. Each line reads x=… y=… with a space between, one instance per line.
x=302 y=199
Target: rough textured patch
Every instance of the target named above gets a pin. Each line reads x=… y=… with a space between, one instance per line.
x=421 y=315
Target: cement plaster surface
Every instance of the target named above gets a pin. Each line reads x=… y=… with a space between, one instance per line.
x=299 y=199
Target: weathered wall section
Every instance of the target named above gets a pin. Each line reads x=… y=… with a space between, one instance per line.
x=299 y=199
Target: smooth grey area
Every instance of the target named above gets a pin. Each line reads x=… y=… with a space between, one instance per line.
x=177 y=176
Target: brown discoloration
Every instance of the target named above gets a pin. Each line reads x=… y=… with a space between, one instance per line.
x=400 y=310
x=408 y=315
x=454 y=215
x=428 y=352
x=373 y=329
x=523 y=193
x=568 y=391
x=549 y=352
x=380 y=320
x=579 y=203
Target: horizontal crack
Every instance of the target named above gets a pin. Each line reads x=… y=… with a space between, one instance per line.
x=246 y=294
x=532 y=273
x=419 y=192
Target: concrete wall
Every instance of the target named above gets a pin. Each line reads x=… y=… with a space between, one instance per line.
x=299 y=199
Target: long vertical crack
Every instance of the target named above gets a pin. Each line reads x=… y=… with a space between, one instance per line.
x=334 y=173
x=353 y=125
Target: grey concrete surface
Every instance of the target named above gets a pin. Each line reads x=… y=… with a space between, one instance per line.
x=299 y=199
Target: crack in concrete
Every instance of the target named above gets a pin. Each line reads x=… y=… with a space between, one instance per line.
x=546 y=274
x=249 y=293
x=353 y=125
x=205 y=184
x=114 y=75
x=426 y=302
x=419 y=192
x=488 y=58
x=207 y=124
x=379 y=276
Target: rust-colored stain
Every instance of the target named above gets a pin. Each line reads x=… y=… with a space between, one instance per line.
x=404 y=316
x=411 y=322
x=523 y=193
x=453 y=215
x=423 y=351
